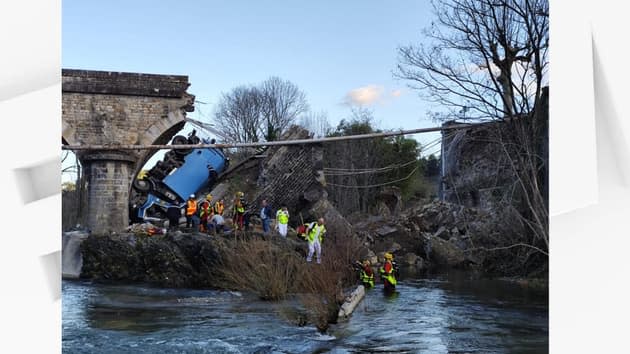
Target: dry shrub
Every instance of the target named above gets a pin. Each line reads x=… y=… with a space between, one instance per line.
x=273 y=270
x=262 y=267
x=322 y=286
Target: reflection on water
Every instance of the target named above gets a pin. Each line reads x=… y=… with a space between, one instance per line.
x=452 y=314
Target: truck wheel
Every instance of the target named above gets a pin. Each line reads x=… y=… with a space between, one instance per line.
x=194 y=140
x=181 y=140
x=142 y=185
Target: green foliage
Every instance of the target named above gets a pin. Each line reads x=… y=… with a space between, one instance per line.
x=432 y=166
x=357 y=170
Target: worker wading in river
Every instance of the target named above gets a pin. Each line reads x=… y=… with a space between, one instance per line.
x=388 y=273
x=366 y=274
x=315 y=235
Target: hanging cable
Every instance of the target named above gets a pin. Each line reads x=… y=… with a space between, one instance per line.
x=352 y=172
x=208 y=128
x=375 y=185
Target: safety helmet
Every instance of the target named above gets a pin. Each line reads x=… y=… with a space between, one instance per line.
x=240 y=194
x=192 y=196
x=388 y=256
x=366 y=262
x=209 y=196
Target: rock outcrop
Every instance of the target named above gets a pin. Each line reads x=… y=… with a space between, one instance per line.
x=432 y=235
x=177 y=259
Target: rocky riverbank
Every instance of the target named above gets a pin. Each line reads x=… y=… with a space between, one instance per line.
x=431 y=237
x=440 y=236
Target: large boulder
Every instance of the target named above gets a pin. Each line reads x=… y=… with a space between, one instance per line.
x=72 y=260
x=336 y=224
x=445 y=254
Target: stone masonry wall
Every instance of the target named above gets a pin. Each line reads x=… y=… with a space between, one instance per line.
x=108 y=194
x=124 y=83
x=476 y=171
x=111 y=119
x=292 y=175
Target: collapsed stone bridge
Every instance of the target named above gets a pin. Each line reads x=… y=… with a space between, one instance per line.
x=118 y=108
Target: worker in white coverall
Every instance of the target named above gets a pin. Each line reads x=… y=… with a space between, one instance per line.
x=315 y=235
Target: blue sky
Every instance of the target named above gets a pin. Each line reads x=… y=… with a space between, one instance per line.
x=338 y=52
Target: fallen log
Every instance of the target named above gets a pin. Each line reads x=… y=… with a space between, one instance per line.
x=351 y=302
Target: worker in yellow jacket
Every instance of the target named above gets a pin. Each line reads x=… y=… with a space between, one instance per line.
x=315 y=235
x=282 y=220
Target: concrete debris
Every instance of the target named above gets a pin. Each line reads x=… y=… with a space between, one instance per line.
x=385 y=230
x=146 y=229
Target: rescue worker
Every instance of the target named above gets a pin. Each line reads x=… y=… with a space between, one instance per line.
x=388 y=273
x=265 y=216
x=218 y=207
x=315 y=235
x=191 y=211
x=238 y=211
x=366 y=275
x=173 y=214
x=205 y=214
x=218 y=222
x=282 y=220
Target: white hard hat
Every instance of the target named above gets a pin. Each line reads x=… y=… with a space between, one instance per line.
x=192 y=196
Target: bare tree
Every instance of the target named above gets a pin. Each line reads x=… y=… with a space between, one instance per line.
x=282 y=103
x=317 y=123
x=483 y=59
x=263 y=112
x=237 y=114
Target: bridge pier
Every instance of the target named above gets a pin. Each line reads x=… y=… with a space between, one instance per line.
x=108 y=175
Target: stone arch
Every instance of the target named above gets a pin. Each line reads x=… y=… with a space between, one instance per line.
x=159 y=133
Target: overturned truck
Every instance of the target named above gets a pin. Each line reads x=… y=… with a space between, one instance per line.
x=180 y=173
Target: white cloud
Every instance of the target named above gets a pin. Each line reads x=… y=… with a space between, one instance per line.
x=369 y=95
x=364 y=96
x=396 y=93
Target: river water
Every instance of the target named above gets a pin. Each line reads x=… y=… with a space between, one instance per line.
x=447 y=313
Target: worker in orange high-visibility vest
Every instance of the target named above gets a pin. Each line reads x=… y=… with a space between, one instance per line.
x=191 y=212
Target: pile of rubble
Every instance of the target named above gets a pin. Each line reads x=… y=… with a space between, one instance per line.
x=145 y=229
x=437 y=234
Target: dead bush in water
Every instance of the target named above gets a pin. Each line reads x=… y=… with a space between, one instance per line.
x=322 y=285
x=261 y=267
x=274 y=270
